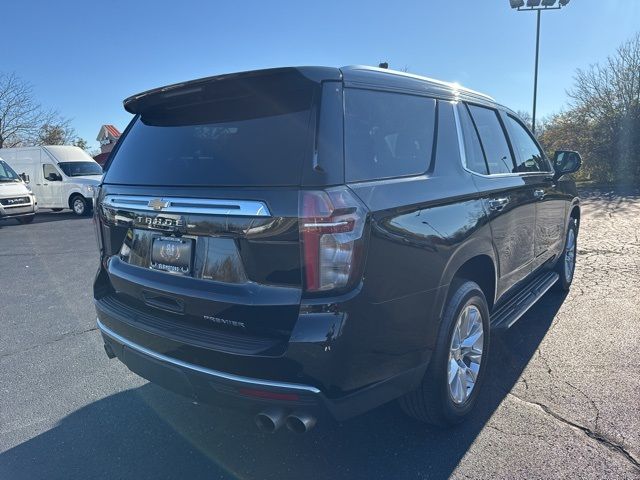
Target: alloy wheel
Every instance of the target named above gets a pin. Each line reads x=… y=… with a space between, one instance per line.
x=78 y=206
x=465 y=354
x=570 y=255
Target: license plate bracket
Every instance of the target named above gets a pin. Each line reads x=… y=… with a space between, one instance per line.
x=172 y=255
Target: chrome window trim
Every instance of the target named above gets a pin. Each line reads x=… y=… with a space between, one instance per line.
x=197 y=368
x=463 y=153
x=203 y=206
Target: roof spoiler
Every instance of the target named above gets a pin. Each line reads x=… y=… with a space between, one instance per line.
x=226 y=85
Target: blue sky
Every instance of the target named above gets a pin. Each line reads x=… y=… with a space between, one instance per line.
x=84 y=57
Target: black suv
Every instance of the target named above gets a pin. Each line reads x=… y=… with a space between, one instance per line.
x=302 y=241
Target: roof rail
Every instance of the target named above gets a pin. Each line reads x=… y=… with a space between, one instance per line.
x=451 y=85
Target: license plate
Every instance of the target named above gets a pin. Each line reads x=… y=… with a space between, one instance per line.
x=172 y=255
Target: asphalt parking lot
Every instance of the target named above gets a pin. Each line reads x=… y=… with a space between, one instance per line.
x=563 y=400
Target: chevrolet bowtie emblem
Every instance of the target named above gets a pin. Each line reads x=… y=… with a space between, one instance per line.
x=158 y=204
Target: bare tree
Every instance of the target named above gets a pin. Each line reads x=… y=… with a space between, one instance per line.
x=603 y=121
x=20 y=115
x=612 y=88
x=23 y=121
x=606 y=99
x=541 y=123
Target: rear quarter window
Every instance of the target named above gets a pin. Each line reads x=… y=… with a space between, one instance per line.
x=387 y=134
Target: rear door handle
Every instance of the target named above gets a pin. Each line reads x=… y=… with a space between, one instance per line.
x=539 y=193
x=497 y=204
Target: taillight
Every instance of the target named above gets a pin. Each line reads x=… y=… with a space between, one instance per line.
x=331 y=231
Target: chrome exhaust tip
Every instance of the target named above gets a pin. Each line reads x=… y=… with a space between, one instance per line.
x=299 y=422
x=270 y=420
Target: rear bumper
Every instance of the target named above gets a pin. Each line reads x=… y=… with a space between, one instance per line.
x=205 y=384
x=216 y=387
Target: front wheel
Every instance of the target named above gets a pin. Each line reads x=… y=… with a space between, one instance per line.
x=567 y=262
x=450 y=387
x=79 y=205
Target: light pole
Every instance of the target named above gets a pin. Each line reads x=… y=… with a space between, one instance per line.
x=536 y=6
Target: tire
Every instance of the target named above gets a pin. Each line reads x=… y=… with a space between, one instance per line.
x=25 y=220
x=433 y=401
x=80 y=206
x=567 y=262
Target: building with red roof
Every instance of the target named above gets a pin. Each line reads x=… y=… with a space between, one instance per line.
x=108 y=136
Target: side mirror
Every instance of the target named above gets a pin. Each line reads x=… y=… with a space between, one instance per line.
x=54 y=177
x=566 y=161
x=24 y=177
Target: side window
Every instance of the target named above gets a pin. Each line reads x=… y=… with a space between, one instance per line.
x=50 y=172
x=474 y=156
x=387 y=134
x=494 y=143
x=530 y=156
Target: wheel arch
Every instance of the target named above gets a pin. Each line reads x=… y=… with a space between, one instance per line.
x=475 y=261
x=575 y=214
x=72 y=195
x=481 y=270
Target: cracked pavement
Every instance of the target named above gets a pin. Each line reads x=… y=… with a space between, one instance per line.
x=563 y=399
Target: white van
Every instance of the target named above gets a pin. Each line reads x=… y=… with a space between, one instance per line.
x=61 y=176
x=16 y=199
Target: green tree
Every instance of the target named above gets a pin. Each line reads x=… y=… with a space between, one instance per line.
x=81 y=142
x=60 y=133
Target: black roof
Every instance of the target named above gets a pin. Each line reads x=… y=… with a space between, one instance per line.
x=357 y=75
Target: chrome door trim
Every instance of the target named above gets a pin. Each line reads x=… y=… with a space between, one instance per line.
x=197 y=368
x=202 y=206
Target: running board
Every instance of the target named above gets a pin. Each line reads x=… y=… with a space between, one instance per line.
x=510 y=312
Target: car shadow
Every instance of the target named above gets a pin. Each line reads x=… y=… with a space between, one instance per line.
x=148 y=432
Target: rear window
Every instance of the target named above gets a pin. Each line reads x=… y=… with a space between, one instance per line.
x=387 y=134
x=244 y=139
